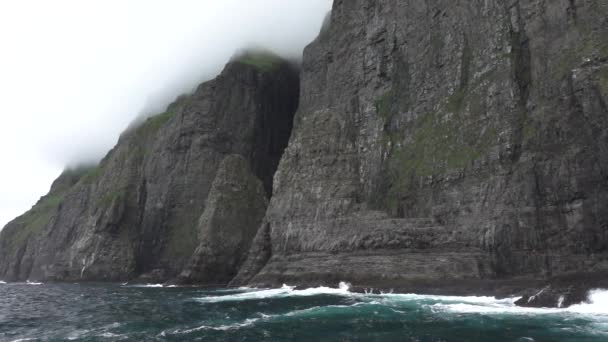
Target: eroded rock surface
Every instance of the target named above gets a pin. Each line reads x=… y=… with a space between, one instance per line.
x=235 y=208
x=444 y=143
x=137 y=214
x=439 y=146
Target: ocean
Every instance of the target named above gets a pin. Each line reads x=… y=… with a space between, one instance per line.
x=114 y=312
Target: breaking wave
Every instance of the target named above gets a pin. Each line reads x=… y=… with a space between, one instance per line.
x=33 y=283
x=144 y=285
x=248 y=322
x=597 y=301
x=285 y=291
x=110 y=312
x=597 y=305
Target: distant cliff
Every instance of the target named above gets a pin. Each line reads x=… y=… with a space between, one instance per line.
x=138 y=214
x=438 y=146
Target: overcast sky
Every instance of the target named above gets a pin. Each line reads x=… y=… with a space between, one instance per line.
x=75 y=73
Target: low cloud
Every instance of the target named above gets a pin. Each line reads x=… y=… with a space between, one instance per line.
x=76 y=73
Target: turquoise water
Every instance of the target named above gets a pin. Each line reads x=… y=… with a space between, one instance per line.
x=60 y=312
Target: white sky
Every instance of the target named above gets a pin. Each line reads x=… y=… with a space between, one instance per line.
x=75 y=73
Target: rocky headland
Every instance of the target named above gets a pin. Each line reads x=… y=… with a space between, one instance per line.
x=430 y=146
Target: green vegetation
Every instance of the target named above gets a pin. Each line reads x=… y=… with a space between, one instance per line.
x=586 y=48
x=384 y=103
x=264 y=61
x=455 y=102
x=439 y=145
x=179 y=102
x=92 y=174
x=32 y=222
x=182 y=241
x=148 y=129
x=603 y=77
x=77 y=172
x=441 y=141
x=110 y=197
x=529 y=130
x=154 y=123
x=604 y=51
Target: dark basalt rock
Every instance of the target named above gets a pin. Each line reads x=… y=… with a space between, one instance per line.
x=564 y=291
x=439 y=146
x=444 y=146
x=235 y=207
x=552 y=297
x=136 y=215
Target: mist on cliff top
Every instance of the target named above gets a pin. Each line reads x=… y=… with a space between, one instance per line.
x=75 y=73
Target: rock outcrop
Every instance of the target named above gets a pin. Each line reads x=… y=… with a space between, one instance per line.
x=439 y=146
x=235 y=208
x=445 y=145
x=138 y=214
x=550 y=297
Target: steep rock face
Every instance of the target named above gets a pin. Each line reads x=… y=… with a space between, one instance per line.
x=136 y=214
x=444 y=143
x=235 y=208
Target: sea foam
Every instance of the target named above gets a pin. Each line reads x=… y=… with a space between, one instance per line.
x=33 y=283
x=597 y=305
x=143 y=285
x=285 y=291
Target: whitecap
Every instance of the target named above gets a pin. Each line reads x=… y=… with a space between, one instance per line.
x=234 y=326
x=33 y=283
x=597 y=305
x=111 y=335
x=145 y=285
x=2 y=282
x=327 y=308
x=77 y=334
x=455 y=299
x=285 y=291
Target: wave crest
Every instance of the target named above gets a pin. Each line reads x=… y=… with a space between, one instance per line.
x=285 y=291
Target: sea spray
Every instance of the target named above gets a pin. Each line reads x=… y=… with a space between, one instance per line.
x=114 y=312
x=285 y=291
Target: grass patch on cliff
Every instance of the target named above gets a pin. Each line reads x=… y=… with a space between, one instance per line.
x=32 y=222
x=148 y=129
x=455 y=102
x=603 y=81
x=111 y=196
x=154 y=123
x=443 y=141
x=438 y=145
x=529 y=130
x=384 y=104
x=575 y=56
x=92 y=174
x=182 y=242
x=264 y=61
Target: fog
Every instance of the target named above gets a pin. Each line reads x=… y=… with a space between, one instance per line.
x=75 y=73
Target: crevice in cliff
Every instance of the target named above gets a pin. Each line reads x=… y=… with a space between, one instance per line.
x=258 y=256
x=279 y=105
x=522 y=75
